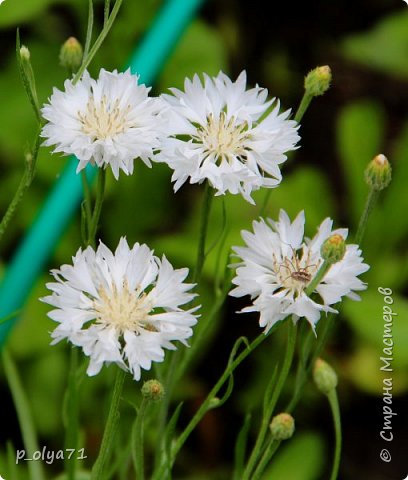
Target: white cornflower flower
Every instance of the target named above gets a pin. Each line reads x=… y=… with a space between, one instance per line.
x=219 y=134
x=109 y=121
x=121 y=307
x=278 y=264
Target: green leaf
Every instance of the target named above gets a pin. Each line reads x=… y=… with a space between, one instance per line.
x=360 y=132
x=384 y=47
x=305 y=449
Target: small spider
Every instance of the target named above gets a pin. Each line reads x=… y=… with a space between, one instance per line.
x=296 y=272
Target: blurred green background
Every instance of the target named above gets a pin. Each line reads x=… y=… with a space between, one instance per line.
x=364 y=113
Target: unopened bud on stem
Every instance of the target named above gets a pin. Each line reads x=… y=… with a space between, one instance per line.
x=317 y=82
x=153 y=390
x=378 y=173
x=24 y=53
x=333 y=249
x=282 y=426
x=324 y=376
x=71 y=54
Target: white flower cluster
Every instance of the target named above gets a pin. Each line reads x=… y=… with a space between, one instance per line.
x=217 y=131
x=125 y=307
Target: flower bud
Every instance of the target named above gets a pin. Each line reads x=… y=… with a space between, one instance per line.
x=324 y=376
x=317 y=82
x=71 y=54
x=282 y=426
x=378 y=173
x=153 y=390
x=24 y=54
x=333 y=248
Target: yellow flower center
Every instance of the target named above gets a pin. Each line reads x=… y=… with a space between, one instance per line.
x=104 y=119
x=223 y=138
x=123 y=309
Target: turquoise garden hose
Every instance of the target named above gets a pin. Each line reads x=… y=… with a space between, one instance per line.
x=65 y=197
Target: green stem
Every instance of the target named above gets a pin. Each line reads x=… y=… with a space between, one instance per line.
x=13 y=204
x=334 y=405
x=270 y=450
x=12 y=473
x=205 y=213
x=28 y=79
x=369 y=205
x=138 y=441
x=307 y=363
x=24 y=416
x=110 y=427
x=25 y=182
x=170 y=381
x=98 y=42
x=206 y=405
x=100 y=190
x=287 y=362
x=71 y=415
x=240 y=448
x=106 y=12
x=89 y=27
x=87 y=212
x=304 y=105
x=318 y=277
x=201 y=334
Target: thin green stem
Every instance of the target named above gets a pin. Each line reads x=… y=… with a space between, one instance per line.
x=369 y=205
x=98 y=42
x=25 y=182
x=201 y=334
x=87 y=211
x=304 y=105
x=71 y=414
x=287 y=362
x=89 y=28
x=270 y=450
x=206 y=405
x=205 y=213
x=334 y=405
x=100 y=190
x=28 y=79
x=24 y=416
x=240 y=448
x=307 y=362
x=12 y=473
x=110 y=427
x=13 y=204
x=170 y=381
x=324 y=268
x=138 y=441
x=106 y=12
